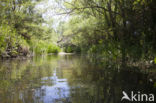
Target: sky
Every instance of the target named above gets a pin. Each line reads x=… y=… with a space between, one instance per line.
x=50 y=9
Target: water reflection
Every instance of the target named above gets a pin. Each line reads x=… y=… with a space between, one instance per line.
x=53 y=93
x=68 y=79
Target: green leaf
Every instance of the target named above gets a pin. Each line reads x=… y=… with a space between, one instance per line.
x=155 y=60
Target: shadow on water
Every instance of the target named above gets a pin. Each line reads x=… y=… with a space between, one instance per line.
x=69 y=79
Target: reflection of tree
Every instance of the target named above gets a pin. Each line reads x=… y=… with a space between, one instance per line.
x=20 y=79
x=104 y=84
x=90 y=81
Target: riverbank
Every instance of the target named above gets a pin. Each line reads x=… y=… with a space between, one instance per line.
x=30 y=55
x=64 y=53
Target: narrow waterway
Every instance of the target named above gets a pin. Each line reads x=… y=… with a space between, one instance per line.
x=68 y=79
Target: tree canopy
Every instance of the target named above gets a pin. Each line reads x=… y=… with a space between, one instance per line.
x=113 y=28
x=116 y=29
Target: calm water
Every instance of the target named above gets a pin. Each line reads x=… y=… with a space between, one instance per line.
x=68 y=79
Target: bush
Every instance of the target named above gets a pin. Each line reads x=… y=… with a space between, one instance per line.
x=53 y=49
x=41 y=47
x=71 y=49
x=10 y=41
x=68 y=49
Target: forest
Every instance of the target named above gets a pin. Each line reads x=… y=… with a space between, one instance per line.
x=119 y=30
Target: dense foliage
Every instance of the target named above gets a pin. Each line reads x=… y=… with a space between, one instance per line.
x=121 y=30
x=112 y=28
x=22 y=30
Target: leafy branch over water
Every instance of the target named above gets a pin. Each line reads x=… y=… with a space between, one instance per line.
x=114 y=29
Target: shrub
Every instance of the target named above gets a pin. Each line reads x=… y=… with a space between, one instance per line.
x=53 y=49
x=41 y=48
x=72 y=48
x=68 y=49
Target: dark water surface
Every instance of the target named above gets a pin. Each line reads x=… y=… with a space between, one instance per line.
x=68 y=79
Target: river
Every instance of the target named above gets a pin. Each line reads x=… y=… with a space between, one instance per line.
x=68 y=79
